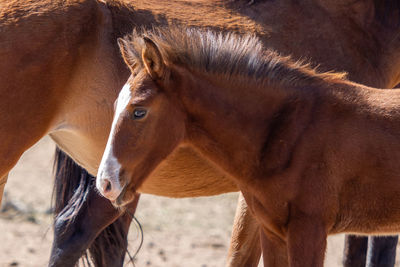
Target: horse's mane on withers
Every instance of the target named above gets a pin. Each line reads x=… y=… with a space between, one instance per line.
x=224 y=53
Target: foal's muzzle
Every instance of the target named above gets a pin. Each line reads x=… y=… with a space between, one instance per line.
x=108 y=188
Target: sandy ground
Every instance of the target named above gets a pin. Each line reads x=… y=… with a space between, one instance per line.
x=177 y=232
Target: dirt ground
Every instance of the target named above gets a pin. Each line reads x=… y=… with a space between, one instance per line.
x=177 y=232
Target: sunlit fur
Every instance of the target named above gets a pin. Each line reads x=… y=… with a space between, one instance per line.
x=60 y=72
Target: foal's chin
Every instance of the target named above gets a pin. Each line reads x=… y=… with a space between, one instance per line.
x=125 y=197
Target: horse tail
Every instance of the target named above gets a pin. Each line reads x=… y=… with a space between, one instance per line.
x=73 y=187
x=68 y=178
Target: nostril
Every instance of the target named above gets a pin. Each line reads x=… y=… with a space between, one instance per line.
x=106 y=186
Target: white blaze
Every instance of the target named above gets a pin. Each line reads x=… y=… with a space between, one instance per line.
x=109 y=166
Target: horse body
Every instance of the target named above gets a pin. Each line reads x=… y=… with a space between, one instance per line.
x=307 y=150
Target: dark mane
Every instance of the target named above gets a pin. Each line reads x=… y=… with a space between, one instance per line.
x=225 y=53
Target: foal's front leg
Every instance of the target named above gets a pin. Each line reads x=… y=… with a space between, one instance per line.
x=3 y=181
x=244 y=249
x=306 y=242
x=274 y=250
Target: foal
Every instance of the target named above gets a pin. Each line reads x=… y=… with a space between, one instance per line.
x=312 y=153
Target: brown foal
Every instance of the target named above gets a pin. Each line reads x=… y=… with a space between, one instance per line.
x=312 y=153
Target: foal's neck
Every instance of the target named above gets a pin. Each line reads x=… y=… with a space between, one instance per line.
x=237 y=124
x=252 y=131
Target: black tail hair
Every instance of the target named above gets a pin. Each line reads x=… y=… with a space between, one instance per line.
x=388 y=12
x=71 y=190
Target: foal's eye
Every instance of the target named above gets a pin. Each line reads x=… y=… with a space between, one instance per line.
x=139 y=113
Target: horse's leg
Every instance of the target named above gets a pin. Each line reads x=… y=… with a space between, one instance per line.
x=306 y=241
x=355 y=251
x=244 y=249
x=3 y=181
x=381 y=251
x=274 y=249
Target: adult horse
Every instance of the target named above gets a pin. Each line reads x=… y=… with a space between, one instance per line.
x=61 y=71
x=308 y=150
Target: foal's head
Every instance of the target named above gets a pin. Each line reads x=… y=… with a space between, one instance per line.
x=150 y=120
x=147 y=124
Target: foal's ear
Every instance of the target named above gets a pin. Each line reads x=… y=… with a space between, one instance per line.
x=152 y=59
x=127 y=54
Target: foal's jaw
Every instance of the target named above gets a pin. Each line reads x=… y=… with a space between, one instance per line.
x=124 y=198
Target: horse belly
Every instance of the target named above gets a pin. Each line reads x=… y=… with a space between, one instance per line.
x=183 y=174
x=186 y=174
x=370 y=214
